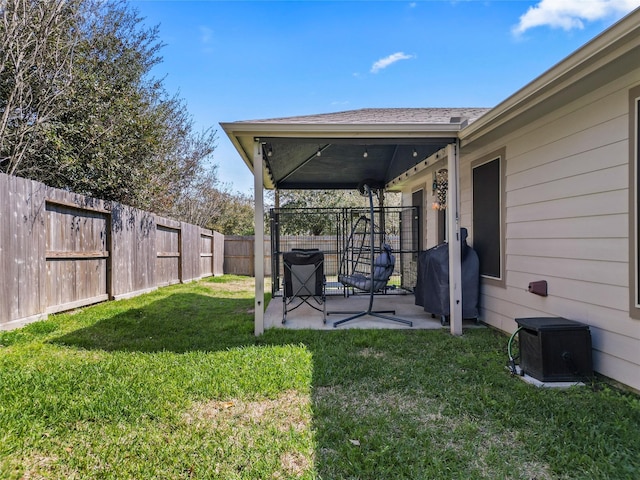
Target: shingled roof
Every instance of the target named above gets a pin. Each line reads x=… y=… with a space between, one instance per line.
x=326 y=150
x=370 y=116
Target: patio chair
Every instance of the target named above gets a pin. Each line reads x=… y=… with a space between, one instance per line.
x=304 y=280
x=379 y=271
x=383 y=266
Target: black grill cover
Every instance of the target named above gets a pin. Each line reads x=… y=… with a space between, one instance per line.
x=432 y=285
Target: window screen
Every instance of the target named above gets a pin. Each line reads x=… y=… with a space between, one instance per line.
x=486 y=217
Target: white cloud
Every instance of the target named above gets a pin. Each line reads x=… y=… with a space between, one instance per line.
x=391 y=59
x=206 y=35
x=570 y=14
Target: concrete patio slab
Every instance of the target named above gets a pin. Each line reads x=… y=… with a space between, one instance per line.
x=306 y=317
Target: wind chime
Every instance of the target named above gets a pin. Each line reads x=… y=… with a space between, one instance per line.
x=440 y=186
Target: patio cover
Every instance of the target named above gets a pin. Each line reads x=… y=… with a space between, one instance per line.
x=339 y=151
x=395 y=140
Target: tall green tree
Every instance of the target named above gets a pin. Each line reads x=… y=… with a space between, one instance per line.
x=102 y=125
x=236 y=215
x=37 y=48
x=211 y=204
x=321 y=224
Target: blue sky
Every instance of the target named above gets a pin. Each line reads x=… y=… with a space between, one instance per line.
x=246 y=60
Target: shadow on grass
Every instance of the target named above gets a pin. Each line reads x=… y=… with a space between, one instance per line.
x=178 y=323
x=398 y=404
x=408 y=404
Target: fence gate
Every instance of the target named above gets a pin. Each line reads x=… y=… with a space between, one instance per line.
x=206 y=255
x=168 y=256
x=77 y=256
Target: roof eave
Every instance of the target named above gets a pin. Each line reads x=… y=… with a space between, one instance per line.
x=621 y=38
x=242 y=134
x=228 y=129
x=311 y=130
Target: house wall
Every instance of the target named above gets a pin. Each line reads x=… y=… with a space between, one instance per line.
x=567 y=214
x=567 y=219
x=424 y=181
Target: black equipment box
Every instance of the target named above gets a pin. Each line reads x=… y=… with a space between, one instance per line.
x=554 y=349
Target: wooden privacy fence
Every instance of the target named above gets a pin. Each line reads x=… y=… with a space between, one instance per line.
x=60 y=250
x=239 y=253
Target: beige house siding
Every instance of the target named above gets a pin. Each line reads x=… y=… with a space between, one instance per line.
x=410 y=263
x=567 y=222
x=424 y=182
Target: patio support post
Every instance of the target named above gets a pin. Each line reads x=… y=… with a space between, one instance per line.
x=258 y=237
x=453 y=225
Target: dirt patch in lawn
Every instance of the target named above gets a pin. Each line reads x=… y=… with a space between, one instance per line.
x=289 y=411
x=248 y=424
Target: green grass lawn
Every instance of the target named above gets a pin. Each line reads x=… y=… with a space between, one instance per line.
x=173 y=384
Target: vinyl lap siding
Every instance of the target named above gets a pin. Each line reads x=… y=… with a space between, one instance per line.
x=566 y=195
